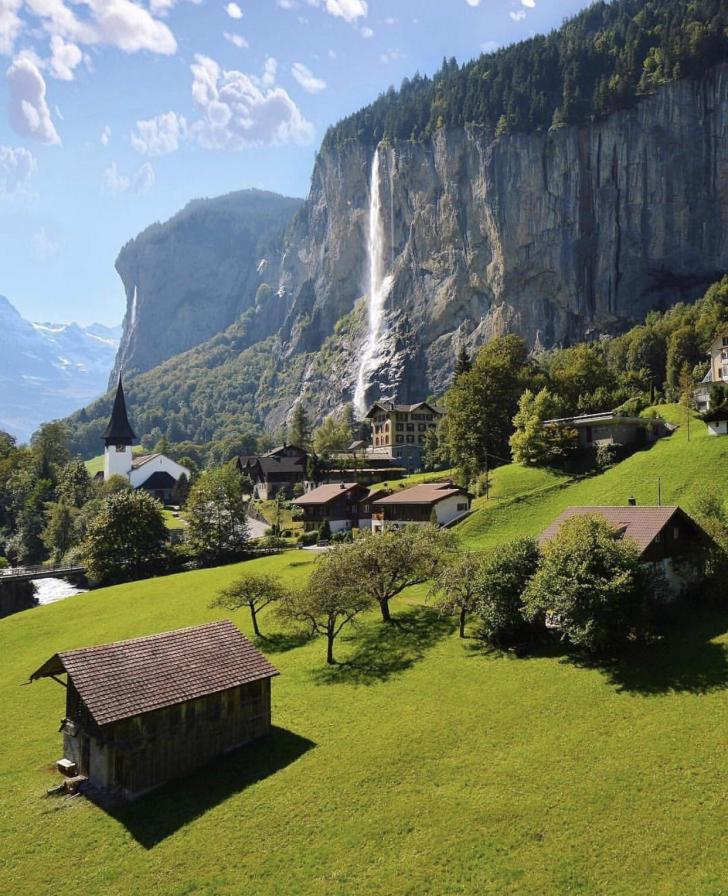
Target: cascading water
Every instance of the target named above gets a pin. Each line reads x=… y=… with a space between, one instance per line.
x=379 y=287
x=133 y=313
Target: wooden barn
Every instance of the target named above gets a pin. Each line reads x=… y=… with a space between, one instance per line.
x=142 y=712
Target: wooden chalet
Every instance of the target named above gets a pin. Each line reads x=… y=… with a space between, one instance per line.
x=343 y=505
x=142 y=712
x=442 y=502
x=279 y=470
x=668 y=539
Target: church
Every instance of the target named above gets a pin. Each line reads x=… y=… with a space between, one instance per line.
x=155 y=473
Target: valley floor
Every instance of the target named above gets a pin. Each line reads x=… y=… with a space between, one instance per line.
x=418 y=765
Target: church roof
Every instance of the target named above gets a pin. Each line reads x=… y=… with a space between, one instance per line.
x=119 y=429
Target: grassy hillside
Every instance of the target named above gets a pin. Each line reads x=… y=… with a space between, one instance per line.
x=419 y=764
x=684 y=468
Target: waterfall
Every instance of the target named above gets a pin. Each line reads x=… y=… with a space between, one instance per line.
x=133 y=312
x=378 y=290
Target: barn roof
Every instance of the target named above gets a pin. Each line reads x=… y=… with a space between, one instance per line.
x=641 y=524
x=127 y=678
x=324 y=494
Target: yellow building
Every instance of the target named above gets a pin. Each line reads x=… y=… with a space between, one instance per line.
x=400 y=430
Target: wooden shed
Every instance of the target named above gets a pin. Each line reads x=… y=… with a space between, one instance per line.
x=142 y=712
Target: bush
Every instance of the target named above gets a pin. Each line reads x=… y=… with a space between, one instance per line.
x=501 y=586
x=308 y=538
x=605 y=457
x=590 y=585
x=324 y=533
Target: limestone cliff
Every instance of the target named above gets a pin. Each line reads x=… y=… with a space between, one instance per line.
x=558 y=235
x=191 y=277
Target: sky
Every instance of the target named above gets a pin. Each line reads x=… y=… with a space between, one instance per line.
x=115 y=113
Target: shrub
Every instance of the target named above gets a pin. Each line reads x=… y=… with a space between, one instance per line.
x=501 y=585
x=589 y=586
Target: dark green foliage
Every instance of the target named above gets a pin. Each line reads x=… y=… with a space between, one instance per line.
x=590 y=585
x=600 y=61
x=324 y=532
x=216 y=513
x=500 y=587
x=127 y=539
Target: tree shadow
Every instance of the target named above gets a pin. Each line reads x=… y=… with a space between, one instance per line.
x=156 y=816
x=383 y=650
x=683 y=659
x=282 y=642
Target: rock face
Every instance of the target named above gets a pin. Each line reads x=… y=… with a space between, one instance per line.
x=193 y=276
x=557 y=236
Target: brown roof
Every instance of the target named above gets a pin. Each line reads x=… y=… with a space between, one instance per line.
x=641 y=524
x=388 y=406
x=324 y=494
x=427 y=493
x=128 y=678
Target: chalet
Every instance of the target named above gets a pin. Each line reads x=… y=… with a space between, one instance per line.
x=717 y=421
x=279 y=470
x=417 y=505
x=667 y=538
x=612 y=428
x=400 y=431
x=343 y=505
x=142 y=712
x=154 y=473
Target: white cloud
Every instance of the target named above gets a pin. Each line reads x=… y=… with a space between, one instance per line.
x=64 y=58
x=489 y=46
x=237 y=40
x=531 y=4
x=10 y=25
x=367 y=32
x=105 y=135
x=240 y=110
x=16 y=166
x=140 y=182
x=473 y=2
x=391 y=20
x=349 y=10
x=307 y=79
x=390 y=56
x=160 y=135
x=234 y=11
x=28 y=108
x=45 y=247
x=518 y=16
x=119 y=23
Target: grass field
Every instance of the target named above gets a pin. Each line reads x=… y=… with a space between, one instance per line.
x=419 y=764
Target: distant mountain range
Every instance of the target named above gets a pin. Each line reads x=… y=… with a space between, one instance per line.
x=49 y=370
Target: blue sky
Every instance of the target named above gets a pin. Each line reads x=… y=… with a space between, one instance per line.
x=115 y=113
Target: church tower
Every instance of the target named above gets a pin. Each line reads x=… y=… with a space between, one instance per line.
x=118 y=437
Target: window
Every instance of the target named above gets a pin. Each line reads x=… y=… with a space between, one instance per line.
x=422 y=427
x=725 y=341
x=400 y=427
x=462 y=507
x=410 y=427
x=400 y=440
x=410 y=440
x=421 y=440
x=676 y=533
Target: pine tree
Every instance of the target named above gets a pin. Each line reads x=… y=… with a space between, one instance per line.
x=462 y=363
x=300 y=430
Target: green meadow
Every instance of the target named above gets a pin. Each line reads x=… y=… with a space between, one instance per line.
x=420 y=763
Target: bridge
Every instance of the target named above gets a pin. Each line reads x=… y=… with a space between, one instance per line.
x=27 y=573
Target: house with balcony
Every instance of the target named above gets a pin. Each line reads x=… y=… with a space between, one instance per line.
x=717 y=372
x=399 y=431
x=436 y=502
x=343 y=505
x=279 y=470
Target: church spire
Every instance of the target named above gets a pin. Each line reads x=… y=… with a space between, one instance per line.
x=119 y=431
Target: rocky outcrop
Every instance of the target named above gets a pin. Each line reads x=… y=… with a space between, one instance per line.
x=191 y=277
x=558 y=235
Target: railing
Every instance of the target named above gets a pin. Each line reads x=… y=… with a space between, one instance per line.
x=29 y=572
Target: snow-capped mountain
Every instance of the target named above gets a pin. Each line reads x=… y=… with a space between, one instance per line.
x=48 y=370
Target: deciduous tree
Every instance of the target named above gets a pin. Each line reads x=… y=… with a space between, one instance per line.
x=256 y=592
x=216 y=513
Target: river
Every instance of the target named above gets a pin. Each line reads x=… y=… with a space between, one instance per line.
x=48 y=591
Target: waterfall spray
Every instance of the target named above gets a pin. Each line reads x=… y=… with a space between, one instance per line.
x=379 y=287
x=133 y=312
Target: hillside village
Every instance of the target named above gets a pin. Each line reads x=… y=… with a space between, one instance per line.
x=410 y=588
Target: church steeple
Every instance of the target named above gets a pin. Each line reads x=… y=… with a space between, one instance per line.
x=119 y=431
